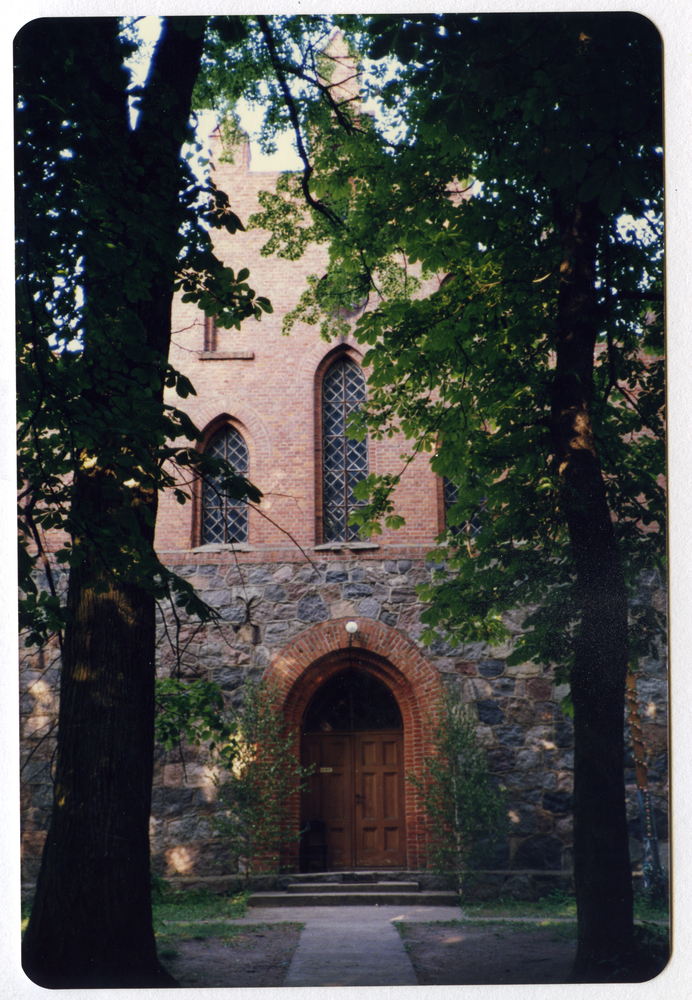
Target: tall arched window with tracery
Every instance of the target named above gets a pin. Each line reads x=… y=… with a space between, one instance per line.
x=344 y=460
x=224 y=519
x=471 y=528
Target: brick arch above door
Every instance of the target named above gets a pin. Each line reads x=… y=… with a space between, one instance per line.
x=309 y=659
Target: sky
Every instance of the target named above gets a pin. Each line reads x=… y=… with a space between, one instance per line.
x=285 y=157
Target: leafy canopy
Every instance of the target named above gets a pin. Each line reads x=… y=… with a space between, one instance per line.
x=99 y=248
x=504 y=125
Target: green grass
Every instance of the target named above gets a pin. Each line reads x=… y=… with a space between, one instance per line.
x=177 y=907
x=651 y=951
x=200 y=932
x=566 y=931
x=168 y=934
x=557 y=904
x=168 y=939
x=200 y=916
x=644 y=909
x=26 y=912
x=557 y=913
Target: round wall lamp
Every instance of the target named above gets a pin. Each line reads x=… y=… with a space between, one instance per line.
x=351 y=627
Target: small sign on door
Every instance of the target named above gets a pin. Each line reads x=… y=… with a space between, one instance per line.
x=326 y=770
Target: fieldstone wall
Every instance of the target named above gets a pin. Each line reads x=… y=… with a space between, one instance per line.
x=39 y=701
x=263 y=605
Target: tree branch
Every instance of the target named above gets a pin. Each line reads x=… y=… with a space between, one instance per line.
x=318 y=205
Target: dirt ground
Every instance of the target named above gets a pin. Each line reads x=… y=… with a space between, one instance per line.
x=441 y=956
x=491 y=955
x=253 y=958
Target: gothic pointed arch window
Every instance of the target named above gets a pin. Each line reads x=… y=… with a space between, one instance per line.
x=344 y=460
x=471 y=528
x=224 y=519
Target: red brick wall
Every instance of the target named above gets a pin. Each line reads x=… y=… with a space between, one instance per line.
x=273 y=397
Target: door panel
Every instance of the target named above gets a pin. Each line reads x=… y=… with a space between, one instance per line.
x=330 y=794
x=369 y=794
x=390 y=751
x=368 y=750
x=379 y=796
x=390 y=794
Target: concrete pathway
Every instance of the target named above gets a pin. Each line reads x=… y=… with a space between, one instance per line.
x=350 y=945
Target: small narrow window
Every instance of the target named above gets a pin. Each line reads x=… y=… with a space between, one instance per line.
x=209 y=334
x=344 y=460
x=471 y=528
x=224 y=519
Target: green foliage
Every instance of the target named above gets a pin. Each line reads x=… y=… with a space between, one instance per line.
x=464 y=808
x=110 y=222
x=194 y=711
x=541 y=115
x=262 y=773
x=238 y=64
x=474 y=363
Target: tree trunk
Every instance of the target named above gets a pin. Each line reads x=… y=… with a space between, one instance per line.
x=91 y=921
x=602 y=871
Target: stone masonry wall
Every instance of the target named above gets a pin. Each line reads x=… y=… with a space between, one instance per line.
x=528 y=738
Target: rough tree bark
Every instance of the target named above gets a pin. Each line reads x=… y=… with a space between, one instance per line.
x=602 y=870
x=91 y=922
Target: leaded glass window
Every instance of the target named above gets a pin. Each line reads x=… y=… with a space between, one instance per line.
x=224 y=519
x=344 y=460
x=471 y=528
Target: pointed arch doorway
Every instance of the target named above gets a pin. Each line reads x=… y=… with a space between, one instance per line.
x=353 y=810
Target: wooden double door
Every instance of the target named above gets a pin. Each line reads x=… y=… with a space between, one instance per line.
x=356 y=795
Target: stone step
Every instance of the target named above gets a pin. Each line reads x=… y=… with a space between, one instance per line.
x=296 y=888
x=360 y=876
x=354 y=898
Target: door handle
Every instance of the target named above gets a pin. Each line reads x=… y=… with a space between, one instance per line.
x=360 y=798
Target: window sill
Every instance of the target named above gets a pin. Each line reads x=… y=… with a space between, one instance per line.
x=226 y=355
x=353 y=546
x=232 y=547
